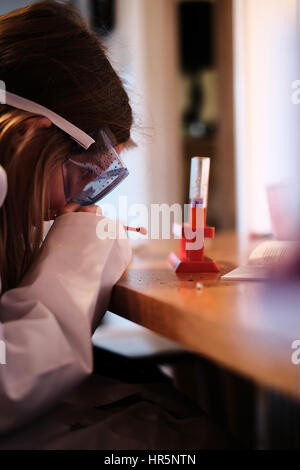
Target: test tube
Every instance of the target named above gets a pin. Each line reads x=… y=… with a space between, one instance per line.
x=199 y=178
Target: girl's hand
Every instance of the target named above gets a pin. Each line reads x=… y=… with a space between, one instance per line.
x=73 y=207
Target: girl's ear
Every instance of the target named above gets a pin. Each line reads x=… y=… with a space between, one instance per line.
x=119 y=148
x=37 y=122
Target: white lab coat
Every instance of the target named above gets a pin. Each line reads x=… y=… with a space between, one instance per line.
x=47 y=322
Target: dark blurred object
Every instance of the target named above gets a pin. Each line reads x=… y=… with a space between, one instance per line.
x=196 y=54
x=196 y=35
x=191 y=122
x=103 y=16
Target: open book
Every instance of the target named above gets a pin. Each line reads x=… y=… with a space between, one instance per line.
x=269 y=255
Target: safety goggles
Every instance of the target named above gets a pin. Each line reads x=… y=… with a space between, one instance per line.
x=93 y=168
x=90 y=174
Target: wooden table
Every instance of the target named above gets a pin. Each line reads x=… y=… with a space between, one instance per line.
x=232 y=323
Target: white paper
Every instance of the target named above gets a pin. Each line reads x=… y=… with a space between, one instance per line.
x=249 y=272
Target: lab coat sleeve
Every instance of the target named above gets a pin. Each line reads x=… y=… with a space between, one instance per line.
x=48 y=320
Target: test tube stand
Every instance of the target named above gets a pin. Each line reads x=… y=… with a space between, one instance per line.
x=192 y=261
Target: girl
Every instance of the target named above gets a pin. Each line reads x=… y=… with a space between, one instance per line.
x=55 y=291
x=51 y=298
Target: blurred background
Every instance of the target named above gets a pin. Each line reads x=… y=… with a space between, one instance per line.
x=210 y=78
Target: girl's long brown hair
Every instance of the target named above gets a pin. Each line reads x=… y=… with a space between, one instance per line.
x=48 y=55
